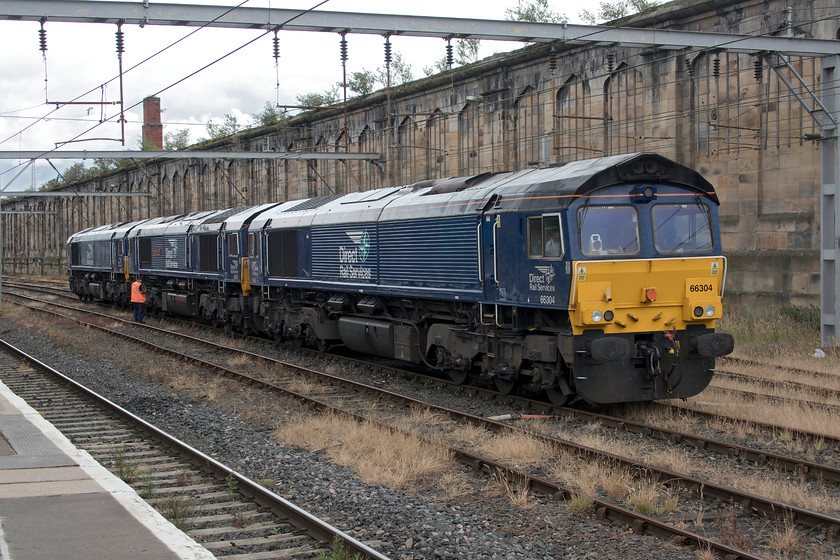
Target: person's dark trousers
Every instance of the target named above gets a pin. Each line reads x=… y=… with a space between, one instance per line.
x=138 y=312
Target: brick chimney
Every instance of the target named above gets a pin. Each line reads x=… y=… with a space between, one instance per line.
x=152 y=127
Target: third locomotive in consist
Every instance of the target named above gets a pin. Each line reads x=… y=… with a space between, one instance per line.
x=600 y=279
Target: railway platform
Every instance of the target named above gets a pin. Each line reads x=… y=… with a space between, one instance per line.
x=57 y=502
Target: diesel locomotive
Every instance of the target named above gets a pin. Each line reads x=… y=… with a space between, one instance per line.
x=598 y=280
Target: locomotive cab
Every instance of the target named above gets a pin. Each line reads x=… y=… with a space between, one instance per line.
x=647 y=283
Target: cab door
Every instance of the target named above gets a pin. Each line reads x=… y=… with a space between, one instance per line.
x=230 y=260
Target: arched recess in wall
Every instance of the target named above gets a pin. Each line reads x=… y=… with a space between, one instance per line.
x=368 y=171
x=188 y=191
x=437 y=129
x=573 y=122
x=469 y=140
x=716 y=87
x=140 y=205
x=165 y=198
x=214 y=194
x=202 y=198
x=406 y=151
x=175 y=197
x=230 y=183
x=314 y=183
x=341 y=171
x=528 y=129
x=624 y=105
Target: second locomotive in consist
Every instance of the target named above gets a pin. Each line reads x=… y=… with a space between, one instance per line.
x=600 y=279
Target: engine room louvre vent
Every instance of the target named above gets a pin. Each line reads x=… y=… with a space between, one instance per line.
x=338 y=303
x=369 y=305
x=312 y=203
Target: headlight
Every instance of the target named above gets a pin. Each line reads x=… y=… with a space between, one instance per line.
x=608 y=315
x=698 y=311
x=710 y=311
x=596 y=316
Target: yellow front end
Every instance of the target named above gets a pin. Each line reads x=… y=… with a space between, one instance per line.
x=632 y=296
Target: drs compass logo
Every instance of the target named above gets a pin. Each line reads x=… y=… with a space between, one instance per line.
x=351 y=257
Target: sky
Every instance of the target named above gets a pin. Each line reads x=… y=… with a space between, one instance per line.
x=81 y=59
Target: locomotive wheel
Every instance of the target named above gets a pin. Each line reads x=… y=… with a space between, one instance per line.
x=506 y=386
x=556 y=396
x=459 y=376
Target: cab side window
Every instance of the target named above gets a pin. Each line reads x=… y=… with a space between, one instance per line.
x=233 y=245
x=253 y=244
x=545 y=238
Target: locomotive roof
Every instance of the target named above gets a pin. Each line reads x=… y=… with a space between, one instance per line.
x=108 y=231
x=546 y=189
x=552 y=188
x=580 y=179
x=246 y=215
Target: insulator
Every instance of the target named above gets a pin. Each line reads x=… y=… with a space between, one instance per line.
x=388 y=50
x=758 y=69
x=552 y=62
x=610 y=61
x=716 y=67
x=120 y=41
x=276 y=41
x=689 y=67
x=42 y=38
x=450 y=57
x=343 y=49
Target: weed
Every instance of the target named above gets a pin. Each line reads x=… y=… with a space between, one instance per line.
x=731 y=532
x=643 y=501
x=516 y=492
x=266 y=482
x=698 y=522
x=148 y=490
x=231 y=486
x=239 y=520
x=179 y=510
x=125 y=470
x=786 y=541
x=337 y=552
x=808 y=316
x=452 y=485
x=581 y=503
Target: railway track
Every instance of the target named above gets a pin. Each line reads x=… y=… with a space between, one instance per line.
x=542 y=407
x=227 y=512
x=747 y=503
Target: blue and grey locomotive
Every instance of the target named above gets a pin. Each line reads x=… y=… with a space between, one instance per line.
x=600 y=279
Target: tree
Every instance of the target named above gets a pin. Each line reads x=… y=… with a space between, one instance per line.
x=400 y=72
x=319 y=99
x=364 y=82
x=536 y=11
x=609 y=11
x=177 y=140
x=103 y=165
x=270 y=115
x=229 y=127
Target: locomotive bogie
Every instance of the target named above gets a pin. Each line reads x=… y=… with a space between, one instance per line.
x=601 y=280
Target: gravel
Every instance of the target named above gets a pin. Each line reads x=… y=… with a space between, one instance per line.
x=401 y=524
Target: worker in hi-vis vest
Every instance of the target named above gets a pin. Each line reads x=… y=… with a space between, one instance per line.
x=138 y=299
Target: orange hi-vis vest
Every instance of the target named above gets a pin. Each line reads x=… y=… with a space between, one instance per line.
x=136 y=295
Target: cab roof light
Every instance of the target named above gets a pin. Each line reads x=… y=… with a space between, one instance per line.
x=643 y=193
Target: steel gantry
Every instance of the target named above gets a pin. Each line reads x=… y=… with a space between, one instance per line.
x=823 y=106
